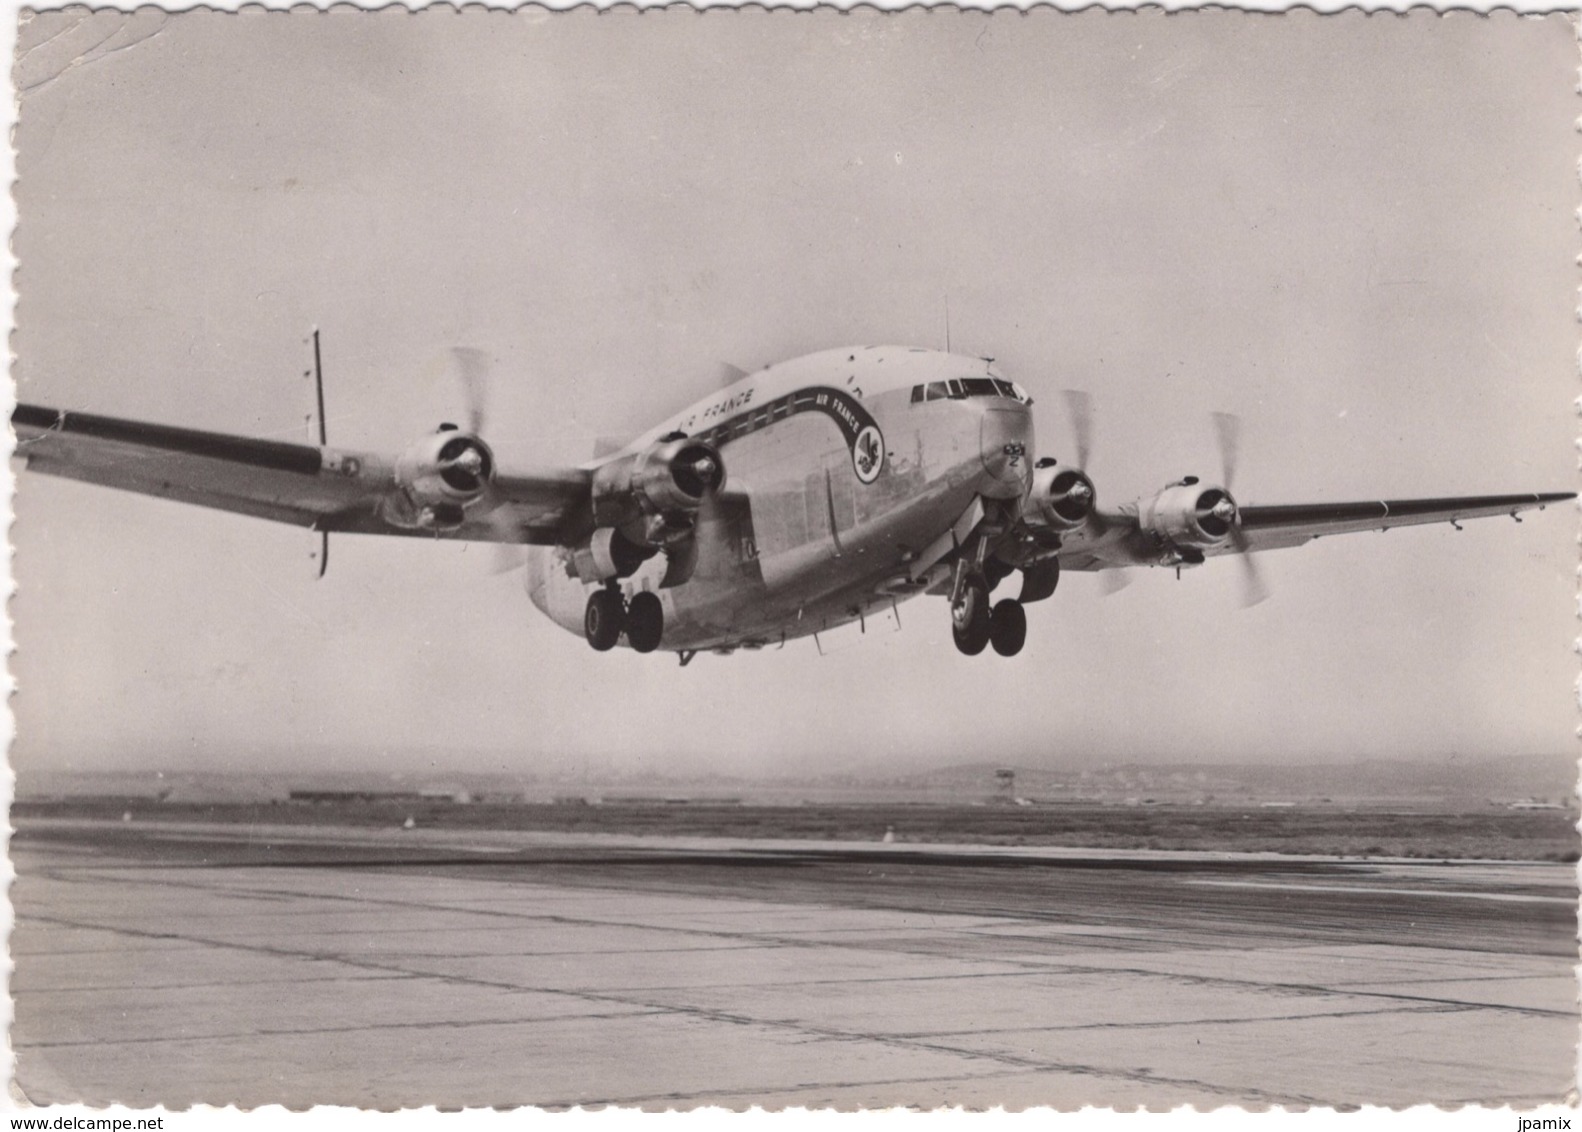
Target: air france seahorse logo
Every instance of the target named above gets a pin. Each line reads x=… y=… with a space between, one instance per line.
x=867 y=454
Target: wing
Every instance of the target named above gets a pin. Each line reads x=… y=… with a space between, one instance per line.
x=1270 y=528
x=1115 y=539
x=325 y=489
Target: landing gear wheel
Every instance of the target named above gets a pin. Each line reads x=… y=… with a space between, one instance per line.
x=969 y=617
x=1008 y=627
x=603 y=620
x=645 y=622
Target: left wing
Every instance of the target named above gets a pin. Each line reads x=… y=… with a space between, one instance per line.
x=324 y=489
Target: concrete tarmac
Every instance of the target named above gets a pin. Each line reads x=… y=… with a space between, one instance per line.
x=181 y=964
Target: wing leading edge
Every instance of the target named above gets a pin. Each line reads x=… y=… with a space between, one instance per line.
x=329 y=489
x=1274 y=527
x=1117 y=539
x=324 y=489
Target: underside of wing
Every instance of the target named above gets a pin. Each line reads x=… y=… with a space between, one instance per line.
x=264 y=478
x=1140 y=535
x=323 y=489
x=1273 y=527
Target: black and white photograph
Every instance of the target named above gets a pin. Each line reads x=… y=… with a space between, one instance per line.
x=833 y=559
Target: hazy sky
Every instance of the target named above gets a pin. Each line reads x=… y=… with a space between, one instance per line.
x=1356 y=232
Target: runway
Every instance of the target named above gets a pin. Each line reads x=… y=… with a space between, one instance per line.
x=180 y=964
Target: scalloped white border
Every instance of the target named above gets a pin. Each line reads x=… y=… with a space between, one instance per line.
x=338 y=1119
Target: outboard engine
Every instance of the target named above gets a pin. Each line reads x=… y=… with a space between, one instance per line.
x=441 y=477
x=1189 y=518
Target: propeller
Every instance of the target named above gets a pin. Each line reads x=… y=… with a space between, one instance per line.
x=1114 y=581
x=475 y=368
x=1080 y=406
x=1227 y=427
x=508 y=553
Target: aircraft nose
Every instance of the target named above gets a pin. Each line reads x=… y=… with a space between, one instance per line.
x=1006 y=441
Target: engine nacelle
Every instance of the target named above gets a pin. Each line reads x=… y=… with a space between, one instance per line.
x=676 y=475
x=441 y=476
x=1191 y=516
x=645 y=503
x=652 y=496
x=1059 y=499
x=606 y=554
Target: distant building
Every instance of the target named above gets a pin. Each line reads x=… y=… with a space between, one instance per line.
x=1005 y=786
x=342 y=797
x=457 y=794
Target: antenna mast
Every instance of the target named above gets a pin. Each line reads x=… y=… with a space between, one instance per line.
x=318 y=386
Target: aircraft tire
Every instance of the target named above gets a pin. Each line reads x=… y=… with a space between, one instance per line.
x=1008 y=627
x=969 y=618
x=603 y=620
x=645 y=622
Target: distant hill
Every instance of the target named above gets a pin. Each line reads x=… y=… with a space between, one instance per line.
x=1551 y=778
x=1373 y=781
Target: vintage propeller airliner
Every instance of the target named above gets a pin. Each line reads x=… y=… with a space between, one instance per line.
x=798 y=498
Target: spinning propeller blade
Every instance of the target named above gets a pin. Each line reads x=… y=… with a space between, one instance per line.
x=474 y=367
x=1227 y=427
x=1253 y=588
x=1114 y=581
x=1080 y=406
x=508 y=552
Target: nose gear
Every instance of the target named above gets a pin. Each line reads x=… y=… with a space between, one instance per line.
x=1008 y=627
x=969 y=616
x=974 y=623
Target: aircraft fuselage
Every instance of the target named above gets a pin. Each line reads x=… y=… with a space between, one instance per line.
x=847 y=472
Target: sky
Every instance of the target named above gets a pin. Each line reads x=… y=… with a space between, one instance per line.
x=1354 y=232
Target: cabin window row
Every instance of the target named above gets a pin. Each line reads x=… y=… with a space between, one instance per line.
x=960 y=388
x=753 y=421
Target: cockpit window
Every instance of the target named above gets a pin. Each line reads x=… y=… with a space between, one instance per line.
x=1011 y=389
x=961 y=388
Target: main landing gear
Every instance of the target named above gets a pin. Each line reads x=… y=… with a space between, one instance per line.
x=976 y=625
x=608 y=616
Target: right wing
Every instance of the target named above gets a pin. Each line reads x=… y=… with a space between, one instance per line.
x=1115 y=539
x=1292 y=524
x=324 y=489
